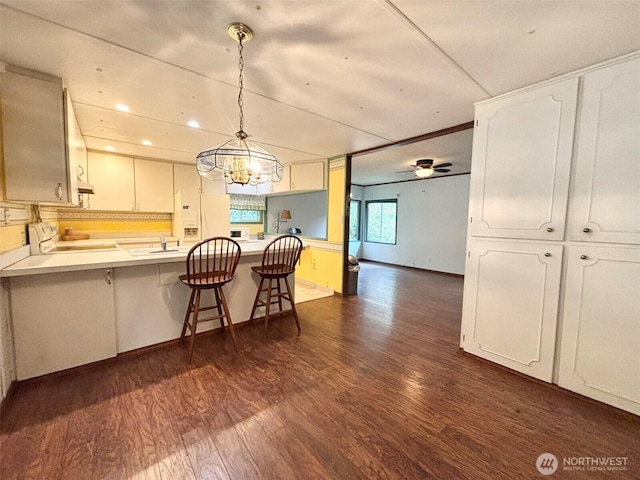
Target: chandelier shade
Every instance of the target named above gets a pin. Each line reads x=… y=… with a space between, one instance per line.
x=239 y=161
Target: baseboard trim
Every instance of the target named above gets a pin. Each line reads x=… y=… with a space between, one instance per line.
x=451 y=274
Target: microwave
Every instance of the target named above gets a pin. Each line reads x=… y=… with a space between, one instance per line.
x=240 y=234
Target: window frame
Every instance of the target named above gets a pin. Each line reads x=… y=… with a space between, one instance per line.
x=366 y=226
x=261 y=222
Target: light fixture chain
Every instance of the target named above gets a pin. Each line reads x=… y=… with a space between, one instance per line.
x=240 y=81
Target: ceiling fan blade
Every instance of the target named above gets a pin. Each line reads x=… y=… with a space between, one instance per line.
x=405 y=171
x=443 y=165
x=442 y=170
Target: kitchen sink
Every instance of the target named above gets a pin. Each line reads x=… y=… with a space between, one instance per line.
x=158 y=251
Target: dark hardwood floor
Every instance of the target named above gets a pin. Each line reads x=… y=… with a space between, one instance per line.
x=375 y=387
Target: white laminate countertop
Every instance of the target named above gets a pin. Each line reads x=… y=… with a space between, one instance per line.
x=89 y=260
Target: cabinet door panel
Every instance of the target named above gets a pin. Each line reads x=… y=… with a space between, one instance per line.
x=511 y=302
x=35 y=159
x=72 y=322
x=112 y=178
x=307 y=176
x=283 y=185
x=600 y=357
x=521 y=162
x=153 y=186
x=607 y=179
x=186 y=179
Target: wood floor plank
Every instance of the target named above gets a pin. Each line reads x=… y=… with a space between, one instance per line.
x=375 y=387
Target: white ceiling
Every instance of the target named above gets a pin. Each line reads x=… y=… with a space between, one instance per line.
x=322 y=78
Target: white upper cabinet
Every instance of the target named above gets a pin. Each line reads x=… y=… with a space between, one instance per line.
x=187 y=179
x=153 y=186
x=606 y=199
x=522 y=151
x=600 y=357
x=308 y=176
x=511 y=304
x=283 y=185
x=124 y=184
x=35 y=157
x=113 y=181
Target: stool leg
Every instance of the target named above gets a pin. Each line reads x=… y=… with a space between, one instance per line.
x=266 y=314
x=226 y=314
x=292 y=302
x=257 y=299
x=279 y=294
x=186 y=317
x=194 y=325
x=218 y=303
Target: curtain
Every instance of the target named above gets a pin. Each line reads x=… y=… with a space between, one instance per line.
x=247 y=202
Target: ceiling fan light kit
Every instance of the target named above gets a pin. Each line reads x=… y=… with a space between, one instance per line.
x=239 y=161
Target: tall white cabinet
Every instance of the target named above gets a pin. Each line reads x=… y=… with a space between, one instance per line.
x=553 y=260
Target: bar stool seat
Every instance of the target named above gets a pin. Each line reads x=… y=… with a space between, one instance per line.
x=279 y=260
x=211 y=264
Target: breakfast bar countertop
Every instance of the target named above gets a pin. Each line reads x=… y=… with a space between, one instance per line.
x=90 y=260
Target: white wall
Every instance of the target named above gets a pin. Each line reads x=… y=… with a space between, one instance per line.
x=308 y=213
x=432 y=223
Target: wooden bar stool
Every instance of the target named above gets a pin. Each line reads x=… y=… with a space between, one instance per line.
x=211 y=264
x=279 y=260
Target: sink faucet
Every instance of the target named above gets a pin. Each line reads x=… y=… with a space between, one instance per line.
x=163 y=243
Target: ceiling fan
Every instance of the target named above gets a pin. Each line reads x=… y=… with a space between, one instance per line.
x=425 y=167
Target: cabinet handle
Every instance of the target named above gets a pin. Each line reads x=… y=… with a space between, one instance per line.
x=586 y=229
x=547 y=254
x=59 y=191
x=133 y=206
x=583 y=257
x=137 y=207
x=549 y=229
x=108 y=276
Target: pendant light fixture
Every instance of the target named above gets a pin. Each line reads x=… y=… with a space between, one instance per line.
x=239 y=161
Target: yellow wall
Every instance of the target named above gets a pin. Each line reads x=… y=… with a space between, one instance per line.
x=321 y=266
x=11 y=236
x=254 y=228
x=335 y=227
x=92 y=226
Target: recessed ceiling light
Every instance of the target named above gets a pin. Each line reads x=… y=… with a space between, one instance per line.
x=123 y=108
x=193 y=124
x=109 y=148
x=147 y=142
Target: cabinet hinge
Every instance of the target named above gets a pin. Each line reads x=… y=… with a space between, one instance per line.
x=470 y=219
x=476 y=123
x=464 y=337
x=469 y=254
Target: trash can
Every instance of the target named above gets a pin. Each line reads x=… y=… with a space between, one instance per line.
x=353 y=268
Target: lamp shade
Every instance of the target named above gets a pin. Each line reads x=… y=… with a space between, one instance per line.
x=424 y=172
x=285 y=215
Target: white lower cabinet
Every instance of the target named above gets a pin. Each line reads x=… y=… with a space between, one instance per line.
x=150 y=304
x=600 y=352
x=62 y=320
x=510 y=308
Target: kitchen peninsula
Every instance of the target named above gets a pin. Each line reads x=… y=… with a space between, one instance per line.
x=72 y=309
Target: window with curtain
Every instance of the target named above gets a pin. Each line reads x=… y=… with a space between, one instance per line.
x=381 y=221
x=247 y=208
